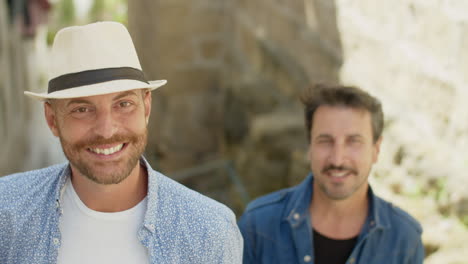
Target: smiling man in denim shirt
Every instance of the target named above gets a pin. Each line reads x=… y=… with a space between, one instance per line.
x=333 y=217
x=106 y=205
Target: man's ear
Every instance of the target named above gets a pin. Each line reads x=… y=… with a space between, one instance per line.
x=377 y=149
x=147 y=101
x=49 y=112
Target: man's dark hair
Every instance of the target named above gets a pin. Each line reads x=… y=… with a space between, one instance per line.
x=347 y=96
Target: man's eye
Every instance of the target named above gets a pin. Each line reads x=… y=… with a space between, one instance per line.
x=124 y=104
x=355 y=140
x=324 y=141
x=81 y=110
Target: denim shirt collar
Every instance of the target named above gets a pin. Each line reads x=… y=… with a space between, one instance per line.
x=297 y=209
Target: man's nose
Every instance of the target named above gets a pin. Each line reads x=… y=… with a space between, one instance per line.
x=337 y=155
x=105 y=125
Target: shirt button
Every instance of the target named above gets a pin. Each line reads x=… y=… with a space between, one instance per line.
x=57 y=204
x=351 y=260
x=372 y=223
x=307 y=258
x=296 y=216
x=151 y=227
x=56 y=241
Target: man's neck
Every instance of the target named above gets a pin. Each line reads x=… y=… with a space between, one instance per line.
x=112 y=197
x=339 y=219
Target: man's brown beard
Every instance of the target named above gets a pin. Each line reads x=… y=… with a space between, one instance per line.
x=135 y=144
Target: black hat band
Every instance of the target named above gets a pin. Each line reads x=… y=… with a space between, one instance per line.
x=83 y=78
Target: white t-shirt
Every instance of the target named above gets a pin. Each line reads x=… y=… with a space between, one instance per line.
x=90 y=236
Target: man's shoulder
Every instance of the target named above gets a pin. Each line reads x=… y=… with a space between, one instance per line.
x=399 y=218
x=274 y=200
x=182 y=212
x=190 y=203
x=22 y=181
x=22 y=193
x=270 y=204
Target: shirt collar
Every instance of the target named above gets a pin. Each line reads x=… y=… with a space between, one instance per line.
x=152 y=194
x=297 y=209
x=64 y=174
x=376 y=217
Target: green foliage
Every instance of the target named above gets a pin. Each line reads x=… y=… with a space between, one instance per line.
x=98 y=8
x=464 y=220
x=50 y=36
x=115 y=10
x=67 y=12
x=64 y=14
x=441 y=194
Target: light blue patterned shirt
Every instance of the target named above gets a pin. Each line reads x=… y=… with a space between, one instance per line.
x=180 y=225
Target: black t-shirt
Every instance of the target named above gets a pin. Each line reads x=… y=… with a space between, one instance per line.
x=332 y=251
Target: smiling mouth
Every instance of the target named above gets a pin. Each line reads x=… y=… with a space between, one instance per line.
x=107 y=151
x=339 y=174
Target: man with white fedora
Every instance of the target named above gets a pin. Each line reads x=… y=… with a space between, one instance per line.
x=106 y=205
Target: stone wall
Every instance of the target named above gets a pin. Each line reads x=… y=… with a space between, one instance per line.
x=184 y=42
x=235 y=70
x=277 y=49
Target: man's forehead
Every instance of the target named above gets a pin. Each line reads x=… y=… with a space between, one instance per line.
x=347 y=119
x=112 y=96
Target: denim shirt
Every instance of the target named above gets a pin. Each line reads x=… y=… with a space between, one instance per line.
x=277 y=229
x=179 y=226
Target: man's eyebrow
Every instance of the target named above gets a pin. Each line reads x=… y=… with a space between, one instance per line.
x=355 y=136
x=124 y=94
x=77 y=101
x=327 y=136
x=84 y=101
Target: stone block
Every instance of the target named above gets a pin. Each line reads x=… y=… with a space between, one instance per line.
x=296 y=10
x=171 y=52
x=211 y=50
x=268 y=128
x=265 y=160
x=183 y=19
x=247 y=47
x=326 y=19
x=189 y=130
x=190 y=80
x=262 y=172
x=209 y=21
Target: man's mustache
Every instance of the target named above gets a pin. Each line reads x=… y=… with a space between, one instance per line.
x=99 y=140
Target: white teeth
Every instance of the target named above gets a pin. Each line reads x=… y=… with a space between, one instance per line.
x=339 y=174
x=107 y=151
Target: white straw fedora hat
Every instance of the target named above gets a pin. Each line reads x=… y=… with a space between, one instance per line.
x=94 y=59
